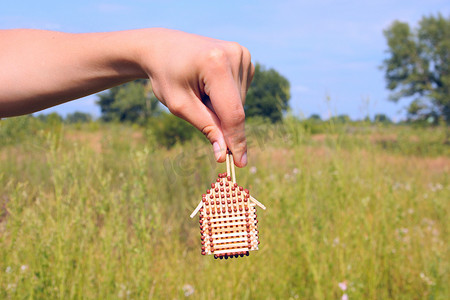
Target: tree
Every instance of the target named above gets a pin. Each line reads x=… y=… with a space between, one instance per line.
x=315 y=117
x=341 y=119
x=132 y=101
x=268 y=95
x=381 y=118
x=418 y=65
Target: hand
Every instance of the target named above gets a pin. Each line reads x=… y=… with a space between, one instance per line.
x=203 y=81
x=199 y=79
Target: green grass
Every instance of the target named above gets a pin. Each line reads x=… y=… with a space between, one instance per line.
x=102 y=212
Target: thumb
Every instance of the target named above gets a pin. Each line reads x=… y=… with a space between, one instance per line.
x=204 y=119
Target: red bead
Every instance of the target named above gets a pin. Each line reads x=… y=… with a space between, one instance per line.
x=211 y=196
x=216 y=190
x=201 y=227
x=217 y=202
x=221 y=183
x=249 y=241
x=203 y=242
x=229 y=178
x=218 y=180
x=246 y=214
x=229 y=210
x=235 y=184
x=233 y=188
x=221 y=189
x=240 y=208
x=229 y=201
x=211 y=245
x=246 y=220
x=226 y=183
x=233 y=194
x=212 y=185
x=228 y=195
x=208 y=191
x=203 y=253
x=234 y=200
x=246 y=190
x=204 y=199
x=223 y=201
x=211 y=239
x=217 y=195
x=238 y=193
x=241 y=188
x=209 y=223
x=235 y=209
x=223 y=210
x=228 y=190
x=248 y=235
x=210 y=233
x=246 y=208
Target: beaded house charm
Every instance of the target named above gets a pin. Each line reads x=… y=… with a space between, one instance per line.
x=228 y=224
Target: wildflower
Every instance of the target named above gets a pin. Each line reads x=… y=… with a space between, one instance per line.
x=336 y=241
x=426 y=279
x=8 y=269
x=344 y=297
x=23 y=268
x=295 y=171
x=253 y=170
x=343 y=285
x=188 y=290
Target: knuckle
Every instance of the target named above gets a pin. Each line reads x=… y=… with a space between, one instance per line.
x=217 y=57
x=239 y=116
x=246 y=53
x=209 y=131
x=235 y=49
x=177 y=108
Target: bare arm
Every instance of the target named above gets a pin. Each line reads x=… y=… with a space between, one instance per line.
x=199 y=79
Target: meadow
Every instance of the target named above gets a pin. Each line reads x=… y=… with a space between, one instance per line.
x=101 y=211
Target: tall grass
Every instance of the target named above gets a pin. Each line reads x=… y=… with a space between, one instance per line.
x=101 y=212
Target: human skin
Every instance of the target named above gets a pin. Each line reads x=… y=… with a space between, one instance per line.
x=199 y=79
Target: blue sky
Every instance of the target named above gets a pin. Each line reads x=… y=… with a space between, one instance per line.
x=325 y=48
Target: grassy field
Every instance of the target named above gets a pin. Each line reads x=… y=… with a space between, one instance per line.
x=99 y=211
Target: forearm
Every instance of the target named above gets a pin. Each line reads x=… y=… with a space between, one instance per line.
x=40 y=69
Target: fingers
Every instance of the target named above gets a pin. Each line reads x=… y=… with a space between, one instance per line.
x=191 y=109
x=226 y=100
x=230 y=72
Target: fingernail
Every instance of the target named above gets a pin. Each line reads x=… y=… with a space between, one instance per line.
x=244 y=159
x=216 y=149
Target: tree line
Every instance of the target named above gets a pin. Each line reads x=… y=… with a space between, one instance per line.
x=417 y=66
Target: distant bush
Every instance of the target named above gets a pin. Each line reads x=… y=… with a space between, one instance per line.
x=168 y=130
x=17 y=129
x=78 y=117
